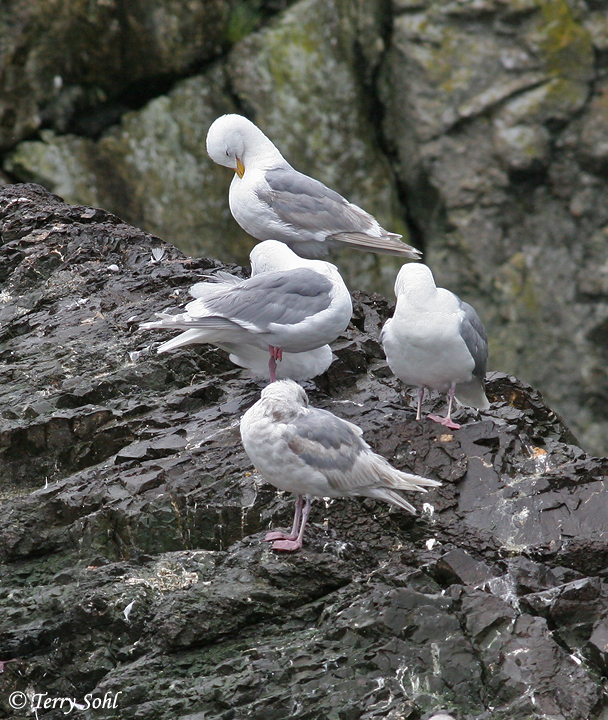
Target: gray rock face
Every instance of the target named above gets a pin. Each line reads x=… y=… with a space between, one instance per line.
x=131 y=523
x=478 y=129
x=61 y=59
x=499 y=130
x=152 y=169
x=295 y=79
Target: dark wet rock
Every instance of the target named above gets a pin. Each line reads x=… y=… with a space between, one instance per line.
x=457 y=566
x=132 y=523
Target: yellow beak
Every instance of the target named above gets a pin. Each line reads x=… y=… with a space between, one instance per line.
x=240 y=168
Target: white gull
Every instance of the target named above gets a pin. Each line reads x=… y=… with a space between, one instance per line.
x=270 y=199
x=288 y=304
x=436 y=341
x=313 y=453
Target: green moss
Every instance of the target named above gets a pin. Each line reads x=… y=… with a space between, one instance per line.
x=436 y=57
x=451 y=68
x=518 y=283
x=292 y=48
x=565 y=44
x=245 y=17
x=564 y=95
x=62 y=164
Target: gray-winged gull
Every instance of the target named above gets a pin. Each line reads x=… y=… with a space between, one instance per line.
x=314 y=453
x=289 y=304
x=270 y=199
x=436 y=341
x=297 y=366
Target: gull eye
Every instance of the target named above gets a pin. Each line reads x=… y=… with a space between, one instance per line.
x=227 y=153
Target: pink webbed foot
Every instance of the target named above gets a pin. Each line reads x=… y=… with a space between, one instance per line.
x=287 y=545
x=446 y=421
x=278 y=535
x=292 y=541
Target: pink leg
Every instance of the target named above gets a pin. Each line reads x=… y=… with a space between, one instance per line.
x=272 y=366
x=447 y=420
x=276 y=353
x=279 y=535
x=291 y=545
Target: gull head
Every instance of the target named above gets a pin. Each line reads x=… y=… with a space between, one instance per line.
x=235 y=142
x=414 y=278
x=271 y=256
x=285 y=392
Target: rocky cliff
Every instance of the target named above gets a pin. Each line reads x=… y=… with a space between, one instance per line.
x=131 y=521
x=477 y=128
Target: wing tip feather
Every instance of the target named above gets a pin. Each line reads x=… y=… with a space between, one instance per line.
x=389 y=244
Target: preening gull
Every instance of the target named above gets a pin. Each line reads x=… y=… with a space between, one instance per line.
x=437 y=341
x=288 y=304
x=297 y=366
x=314 y=453
x=270 y=199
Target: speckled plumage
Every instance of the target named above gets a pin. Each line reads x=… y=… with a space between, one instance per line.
x=313 y=453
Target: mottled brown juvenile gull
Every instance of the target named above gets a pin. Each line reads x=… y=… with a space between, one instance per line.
x=270 y=199
x=298 y=308
x=436 y=341
x=313 y=453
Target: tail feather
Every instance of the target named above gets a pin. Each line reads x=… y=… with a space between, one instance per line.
x=212 y=330
x=400 y=480
x=390 y=496
x=187 y=322
x=153 y=324
x=190 y=337
x=472 y=394
x=407 y=481
x=388 y=244
x=219 y=281
x=390 y=480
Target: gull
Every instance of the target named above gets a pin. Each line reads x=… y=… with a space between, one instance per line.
x=436 y=341
x=313 y=453
x=297 y=366
x=288 y=304
x=270 y=199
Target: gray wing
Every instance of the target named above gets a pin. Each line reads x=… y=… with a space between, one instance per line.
x=306 y=203
x=325 y=442
x=203 y=289
x=284 y=297
x=476 y=340
x=335 y=448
